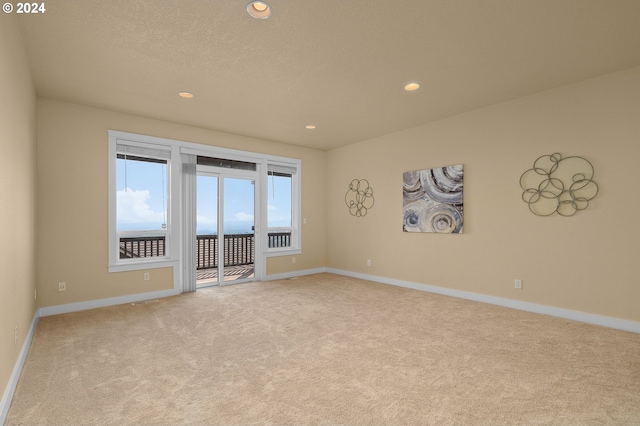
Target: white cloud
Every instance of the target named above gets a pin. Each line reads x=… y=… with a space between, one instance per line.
x=203 y=220
x=271 y=207
x=243 y=216
x=132 y=207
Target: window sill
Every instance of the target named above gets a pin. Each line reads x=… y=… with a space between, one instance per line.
x=146 y=264
x=283 y=252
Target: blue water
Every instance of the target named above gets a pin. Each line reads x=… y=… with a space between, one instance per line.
x=229 y=229
x=236 y=227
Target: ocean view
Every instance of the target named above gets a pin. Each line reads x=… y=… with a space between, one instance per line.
x=235 y=227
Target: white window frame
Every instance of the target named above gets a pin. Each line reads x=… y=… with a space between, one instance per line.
x=181 y=207
x=296 y=238
x=144 y=146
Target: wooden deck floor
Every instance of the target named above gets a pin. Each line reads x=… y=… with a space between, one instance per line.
x=231 y=273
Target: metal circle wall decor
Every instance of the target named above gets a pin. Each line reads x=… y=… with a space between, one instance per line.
x=558 y=185
x=359 y=197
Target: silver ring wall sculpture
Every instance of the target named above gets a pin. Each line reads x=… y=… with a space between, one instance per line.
x=359 y=197
x=558 y=185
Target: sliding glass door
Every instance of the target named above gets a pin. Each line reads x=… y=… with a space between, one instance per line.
x=225 y=227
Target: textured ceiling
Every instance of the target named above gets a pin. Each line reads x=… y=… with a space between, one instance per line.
x=338 y=64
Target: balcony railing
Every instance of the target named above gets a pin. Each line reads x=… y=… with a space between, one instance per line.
x=131 y=247
x=279 y=239
x=239 y=249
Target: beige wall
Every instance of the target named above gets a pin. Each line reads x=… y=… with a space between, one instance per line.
x=17 y=196
x=588 y=262
x=73 y=203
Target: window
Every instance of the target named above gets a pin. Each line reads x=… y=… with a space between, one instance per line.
x=282 y=207
x=140 y=213
x=153 y=218
x=141 y=205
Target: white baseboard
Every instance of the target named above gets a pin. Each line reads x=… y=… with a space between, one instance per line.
x=5 y=403
x=101 y=303
x=294 y=274
x=585 y=317
x=601 y=320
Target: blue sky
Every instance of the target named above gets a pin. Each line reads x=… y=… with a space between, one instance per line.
x=141 y=205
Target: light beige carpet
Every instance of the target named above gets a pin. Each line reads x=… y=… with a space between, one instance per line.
x=324 y=350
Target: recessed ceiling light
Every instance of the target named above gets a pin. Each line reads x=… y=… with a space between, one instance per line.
x=186 y=95
x=410 y=87
x=310 y=126
x=259 y=9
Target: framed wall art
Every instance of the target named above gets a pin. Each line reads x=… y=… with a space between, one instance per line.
x=432 y=200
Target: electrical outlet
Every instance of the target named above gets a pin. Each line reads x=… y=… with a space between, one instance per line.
x=15 y=335
x=293 y=260
x=518 y=284
x=62 y=286
x=368 y=262
x=147 y=277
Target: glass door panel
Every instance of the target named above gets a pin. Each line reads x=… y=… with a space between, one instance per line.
x=238 y=229
x=225 y=240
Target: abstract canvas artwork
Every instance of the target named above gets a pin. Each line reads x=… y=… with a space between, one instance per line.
x=432 y=200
